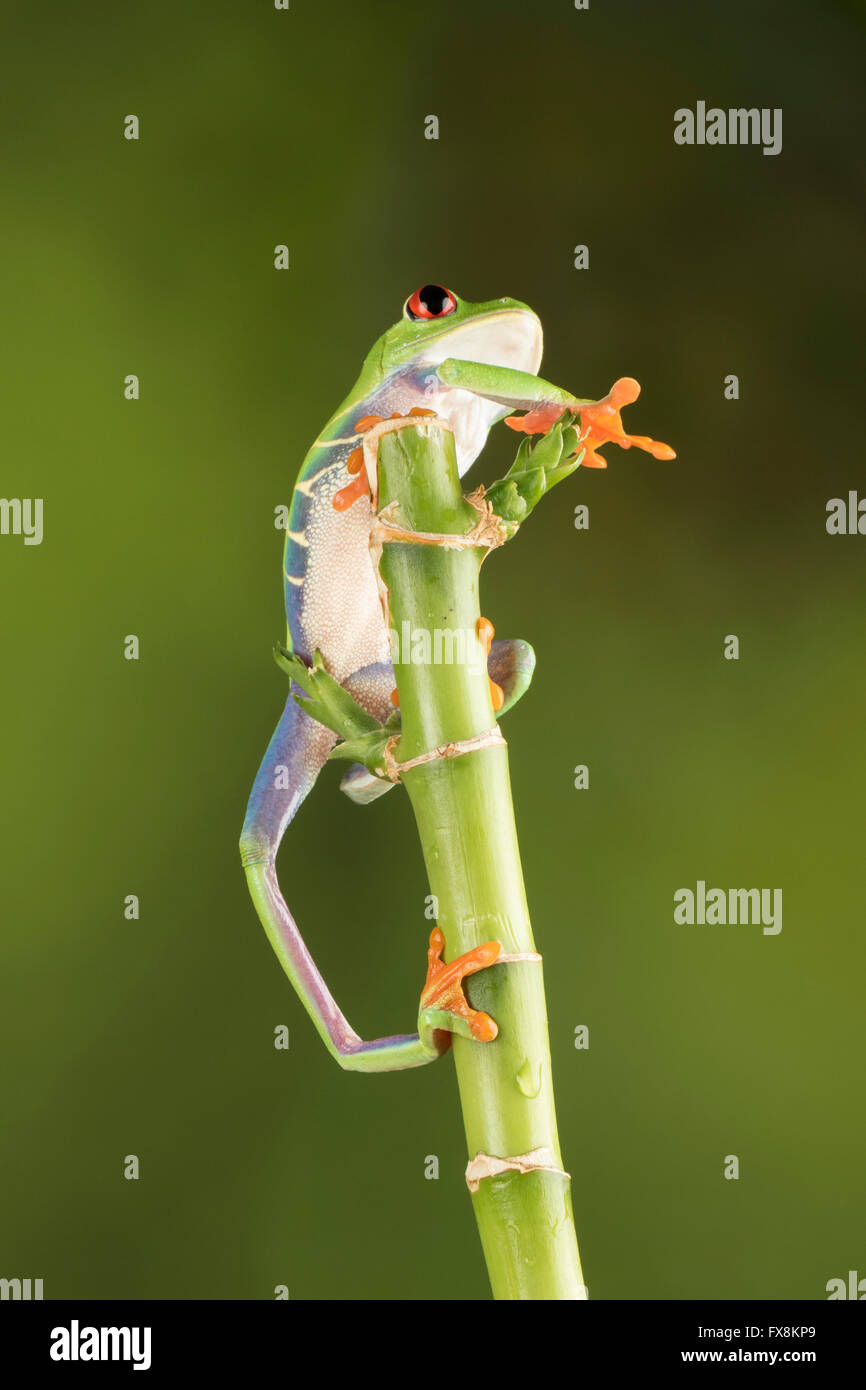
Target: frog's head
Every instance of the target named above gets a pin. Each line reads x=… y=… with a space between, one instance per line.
x=436 y=324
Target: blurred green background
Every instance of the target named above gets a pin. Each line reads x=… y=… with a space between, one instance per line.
x=155 y=1037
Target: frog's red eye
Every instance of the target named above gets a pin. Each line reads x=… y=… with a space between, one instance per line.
x=431 y=302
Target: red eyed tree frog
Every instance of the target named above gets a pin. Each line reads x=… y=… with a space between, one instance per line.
x=470 y=364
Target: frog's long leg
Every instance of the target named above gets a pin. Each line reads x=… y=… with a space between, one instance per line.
x=510 y=665
x=294 y=758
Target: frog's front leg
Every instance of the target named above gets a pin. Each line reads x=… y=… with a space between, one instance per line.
x=600 y=421
x=294 y=758
x=504 y=385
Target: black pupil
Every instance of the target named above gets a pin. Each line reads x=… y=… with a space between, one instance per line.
x=434 y=298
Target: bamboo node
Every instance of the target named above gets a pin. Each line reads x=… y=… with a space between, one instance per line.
x=487 y=533
x=394 y=769
x=370 y=443
x=483 y=1166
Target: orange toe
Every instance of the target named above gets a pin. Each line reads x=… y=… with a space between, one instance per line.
x=601 y=423
x=443 y=988
x=485 y=632
x=537 y=421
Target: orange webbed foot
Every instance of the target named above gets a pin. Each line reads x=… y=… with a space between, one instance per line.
x=444 y=1006
x=600 y=423
x=603 y=420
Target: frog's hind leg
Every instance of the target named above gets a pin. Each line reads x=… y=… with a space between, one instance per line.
x=295 y=756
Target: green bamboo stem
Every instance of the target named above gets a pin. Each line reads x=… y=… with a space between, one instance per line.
x=465 y=819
